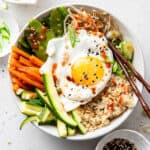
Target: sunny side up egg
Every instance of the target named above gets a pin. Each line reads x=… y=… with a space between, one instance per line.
x=79 y=72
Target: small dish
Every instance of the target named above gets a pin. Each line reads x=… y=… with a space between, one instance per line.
x=13 y=27
x=29 y=2
x=135 y=137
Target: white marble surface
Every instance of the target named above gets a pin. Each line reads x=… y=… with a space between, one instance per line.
x=134 y=13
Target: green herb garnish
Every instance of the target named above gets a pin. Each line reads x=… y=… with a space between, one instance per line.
x=72 y=36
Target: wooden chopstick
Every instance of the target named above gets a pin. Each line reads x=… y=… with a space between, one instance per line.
x=136 y=74
x=134 y=87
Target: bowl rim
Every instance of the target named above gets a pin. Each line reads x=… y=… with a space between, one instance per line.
x=105 y=140
x=92 y=135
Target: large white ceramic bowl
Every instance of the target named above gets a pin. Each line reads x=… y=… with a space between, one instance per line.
x=138 y=63
x=135 y=137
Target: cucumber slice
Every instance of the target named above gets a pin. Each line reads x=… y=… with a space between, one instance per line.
x=19 y=91
x=62 y=129
x=29 y=109
x=71 y=131
x=55 y=101
x=44 y=114
x=29 y=119
x=78 y=120
x=26 y=95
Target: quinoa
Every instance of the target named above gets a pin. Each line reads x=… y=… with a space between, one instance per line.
x=115 y=99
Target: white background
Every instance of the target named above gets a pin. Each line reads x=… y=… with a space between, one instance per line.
x=133 y=13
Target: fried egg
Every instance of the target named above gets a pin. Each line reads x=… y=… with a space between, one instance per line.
x=79 y=72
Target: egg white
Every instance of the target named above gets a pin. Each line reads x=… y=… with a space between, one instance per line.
x=75 y=95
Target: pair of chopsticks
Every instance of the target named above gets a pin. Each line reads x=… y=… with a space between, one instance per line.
x=124 y=64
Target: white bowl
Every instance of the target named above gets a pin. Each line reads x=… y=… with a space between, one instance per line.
x=13 y=27
x=139 y=65
x=138 y=139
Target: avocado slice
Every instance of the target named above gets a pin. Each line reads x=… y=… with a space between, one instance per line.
x=62 y=129
x=55 y=101
x=78 y=120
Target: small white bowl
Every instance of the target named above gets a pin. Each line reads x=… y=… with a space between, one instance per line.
x=13 y=27
x=29 y=2
x=135 y=137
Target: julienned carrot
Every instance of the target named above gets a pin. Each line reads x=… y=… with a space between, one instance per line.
x=20 y=52
x=36 y=61
x=20 y=83
x=15 y=87
x=14 y=63
x=26 y=79
x=14 y=55
x=33 y=74
x=35 y=69
x=24 y=61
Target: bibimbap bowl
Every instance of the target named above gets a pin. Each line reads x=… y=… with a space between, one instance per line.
x=121 y=113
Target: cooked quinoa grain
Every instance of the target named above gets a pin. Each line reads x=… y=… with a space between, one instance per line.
x=116 y=98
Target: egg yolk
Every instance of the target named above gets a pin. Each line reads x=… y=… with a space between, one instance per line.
x=87 y=71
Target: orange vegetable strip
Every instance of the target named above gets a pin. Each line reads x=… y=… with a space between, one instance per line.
x=19 y=83
x=15 y=87
x=36 y=61
x=25 y=61
x=20 y=52
x=14 y=55
x=26 y=79
x=33 y=74
x=15 y=63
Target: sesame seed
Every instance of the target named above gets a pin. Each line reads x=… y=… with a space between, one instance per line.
x=97 y=53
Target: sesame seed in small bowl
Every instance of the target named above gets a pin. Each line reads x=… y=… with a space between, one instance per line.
x=123 y=139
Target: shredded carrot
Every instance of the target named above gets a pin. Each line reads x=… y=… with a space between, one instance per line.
x=26 y=79
x=37 y=62
x=25 y=61
x=20 y=52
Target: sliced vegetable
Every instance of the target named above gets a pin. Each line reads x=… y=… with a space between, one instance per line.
x=72 y=36
x=44 y=114
x=71 y=131
x=4 y=35
x=26 y=95
x=43 y=97
x=29 y=109
x=127 y=49
x=62 y=129
x=78 y=120
x=19 y=91
x=36 y=102
x=56 y=20
x=55 y=101
x=29 y=119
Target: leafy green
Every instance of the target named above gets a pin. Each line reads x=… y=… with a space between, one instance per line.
x=57 y=17
x=72 y=36
x=55 y=28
